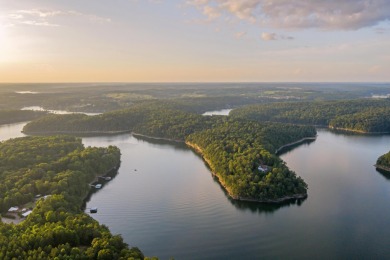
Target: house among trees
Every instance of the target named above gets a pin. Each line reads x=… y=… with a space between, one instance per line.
x=263 y=168
x=25 y=214
x=13 y=209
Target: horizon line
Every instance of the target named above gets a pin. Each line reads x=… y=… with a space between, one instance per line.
x=199 y=82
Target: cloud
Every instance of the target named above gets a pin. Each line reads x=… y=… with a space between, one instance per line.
x=301 y=14
x=211 y=12
x=273 y=37
x=38 y=23
x=268 y=36
x=381 y=30
x=240 y=35
x=41 y=17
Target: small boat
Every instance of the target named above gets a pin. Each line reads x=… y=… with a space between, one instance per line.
x=98 y=186
x=107 y=178
x=93 y=210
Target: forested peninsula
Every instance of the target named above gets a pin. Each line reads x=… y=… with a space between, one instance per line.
x=60 y=168
x=361 y=115
x=383 y=162
x=240 y=153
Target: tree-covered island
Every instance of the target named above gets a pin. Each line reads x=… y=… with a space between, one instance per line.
x=58 y=169
x=239 y=152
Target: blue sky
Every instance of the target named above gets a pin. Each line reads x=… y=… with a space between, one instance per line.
x=194 y=41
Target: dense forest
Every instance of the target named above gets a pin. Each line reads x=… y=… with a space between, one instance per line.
x=238 y=147
x=14 y=116
x=235 y=150
x=150 y=118
x=61 y=168
x=362 y=115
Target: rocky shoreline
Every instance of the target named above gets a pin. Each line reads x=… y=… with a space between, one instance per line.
x=296 y=142
x=156 y=138
x=382 y=167
x=356 y=131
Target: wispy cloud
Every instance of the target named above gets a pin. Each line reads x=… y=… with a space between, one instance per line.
x=381 y=30
x=43 y=17
x=274 y=36
x=298 y=14
x=240 y=35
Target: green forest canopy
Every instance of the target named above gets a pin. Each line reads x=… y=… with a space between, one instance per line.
x=362 y=115
x=61 y=167
x=254 y=143
x=384 y=160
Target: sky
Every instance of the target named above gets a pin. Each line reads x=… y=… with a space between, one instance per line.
x=194 y=41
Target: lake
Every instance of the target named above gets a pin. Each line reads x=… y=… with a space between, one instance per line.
x=165 y=201
x=171 y=206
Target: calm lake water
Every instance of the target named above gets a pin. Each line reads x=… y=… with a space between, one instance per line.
x=165 y=201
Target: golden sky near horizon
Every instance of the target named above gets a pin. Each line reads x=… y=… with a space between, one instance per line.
x=197 y=40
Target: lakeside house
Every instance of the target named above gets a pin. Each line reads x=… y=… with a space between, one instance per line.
x=25 y=214
x=13 y=209
x=263 y=168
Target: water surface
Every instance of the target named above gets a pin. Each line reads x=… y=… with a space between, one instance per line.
x=165 y=201
x=171 y=206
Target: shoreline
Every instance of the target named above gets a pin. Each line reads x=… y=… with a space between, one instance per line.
x=76 y=132
x=356 y=131
x=382 y=167
x=157 y=138
x=228 y=191
x=296 y=142
x=90 y=184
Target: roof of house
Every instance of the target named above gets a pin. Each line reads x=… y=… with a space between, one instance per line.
x=13 y=209
x=25 y=214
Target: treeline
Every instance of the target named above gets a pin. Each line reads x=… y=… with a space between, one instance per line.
x=14 y=116
x=61 y=167
x=150 y=118
x=201 y=105
x=363 y=115
x=237 y=148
